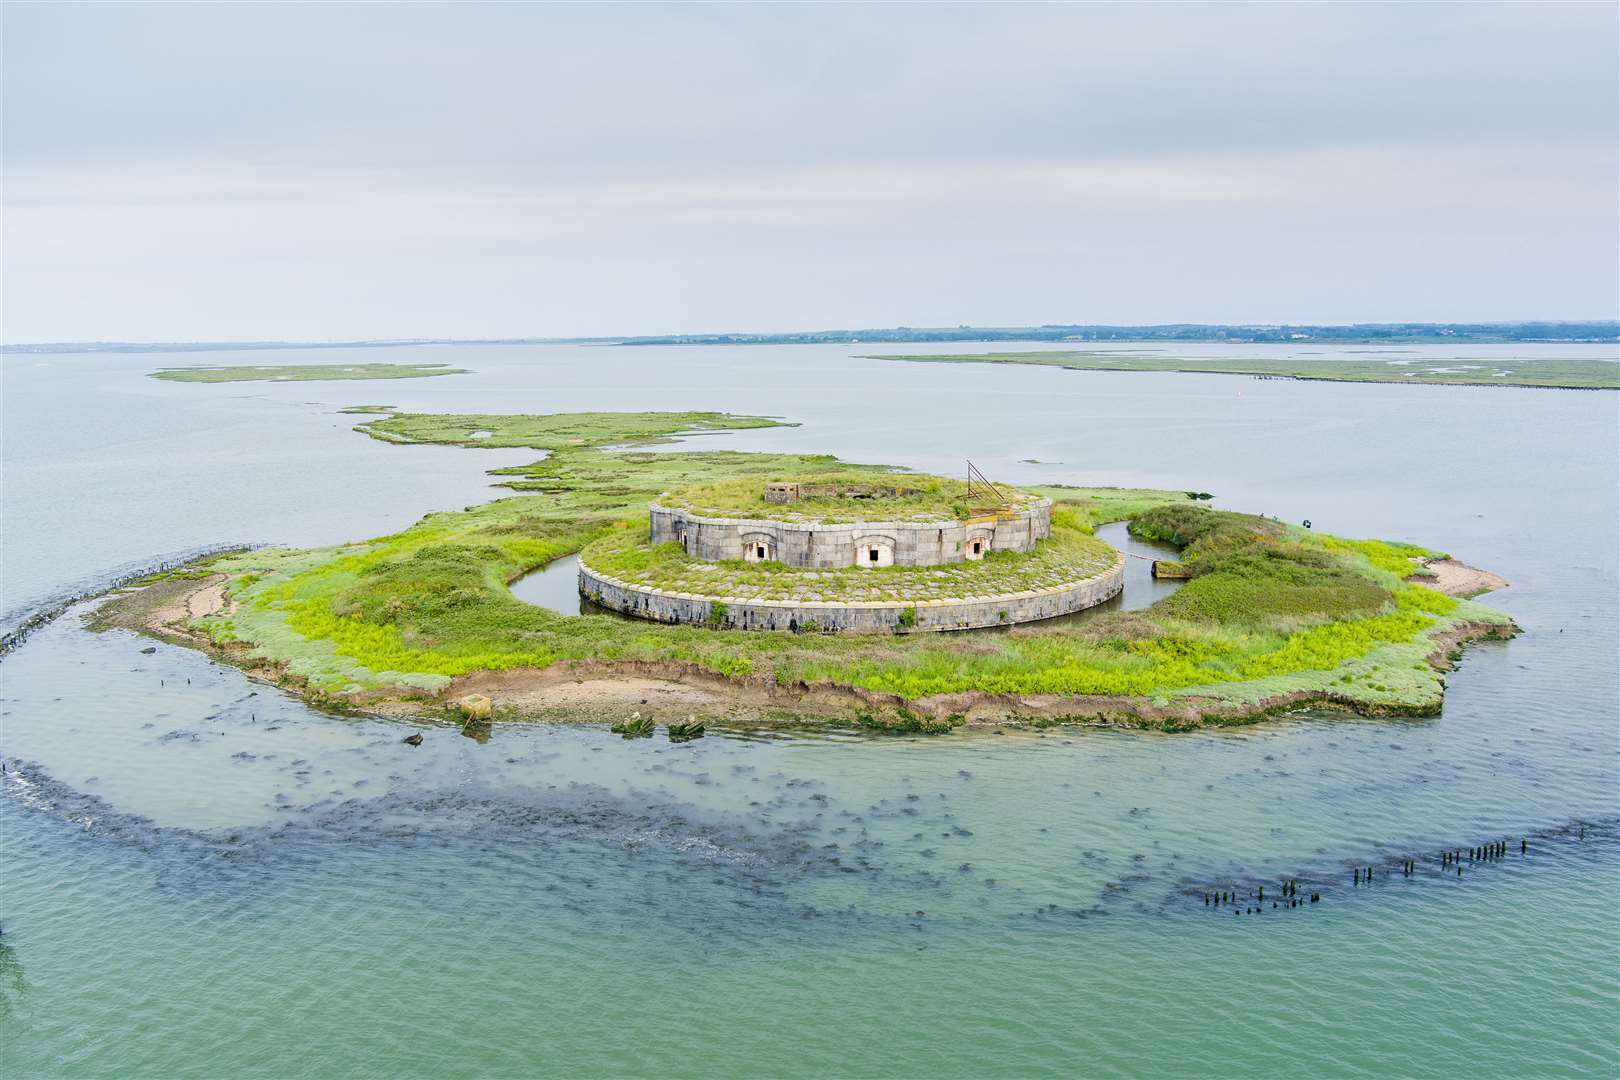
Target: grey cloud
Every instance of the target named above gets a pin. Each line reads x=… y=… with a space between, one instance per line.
x=542 y=84
x=358 y=170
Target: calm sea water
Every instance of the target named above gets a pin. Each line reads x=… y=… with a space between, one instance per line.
x=204 y=878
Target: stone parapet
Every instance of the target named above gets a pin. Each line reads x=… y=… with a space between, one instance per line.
x=831 y=616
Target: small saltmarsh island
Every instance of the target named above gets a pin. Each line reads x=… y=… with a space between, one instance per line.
x=1565 y=373
x=305 y=373
x=788 y=588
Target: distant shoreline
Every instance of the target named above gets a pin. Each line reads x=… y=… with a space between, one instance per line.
x=1545 y=332
x=1520 y=374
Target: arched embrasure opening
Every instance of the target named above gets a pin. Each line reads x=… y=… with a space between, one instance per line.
x=874 y=551
x=758 y=547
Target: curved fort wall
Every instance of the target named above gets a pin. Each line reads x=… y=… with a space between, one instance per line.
x=813 y=545
x=960 y=613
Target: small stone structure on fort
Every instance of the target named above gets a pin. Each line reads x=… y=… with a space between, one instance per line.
x=805 y=535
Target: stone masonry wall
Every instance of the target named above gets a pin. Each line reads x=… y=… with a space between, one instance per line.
x=811 y=545
x=964 y=613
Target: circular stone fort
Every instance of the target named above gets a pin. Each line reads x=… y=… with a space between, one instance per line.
x=879 y=553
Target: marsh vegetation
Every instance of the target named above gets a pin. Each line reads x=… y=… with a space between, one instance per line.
x=1273 y=613
x=305 y=373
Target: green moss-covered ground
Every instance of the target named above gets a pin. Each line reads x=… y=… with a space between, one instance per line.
x=305 y=373
x=1272 y=613
x=1575 y=373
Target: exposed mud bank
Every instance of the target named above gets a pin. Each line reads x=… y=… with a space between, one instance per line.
x=165 y=607
x=1459 y=579
x=16 y=634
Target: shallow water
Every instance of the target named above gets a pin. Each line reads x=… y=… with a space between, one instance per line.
x=1141 y=588
x=554 y=585
x=205 y=877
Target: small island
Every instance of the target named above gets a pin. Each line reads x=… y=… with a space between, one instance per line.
x=305 y=373
x=1271 y=617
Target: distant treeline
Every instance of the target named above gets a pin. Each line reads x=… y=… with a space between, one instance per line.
x=1372 y=333
x=1356 y=332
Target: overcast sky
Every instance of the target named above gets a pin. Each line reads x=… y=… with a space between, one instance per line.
x=185 y=172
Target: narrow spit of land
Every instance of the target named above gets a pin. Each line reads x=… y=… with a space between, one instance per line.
x=305 y=373
x=1274 y=616
x=1565 y=373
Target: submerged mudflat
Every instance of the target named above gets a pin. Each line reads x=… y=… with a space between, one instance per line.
x=1274 y=616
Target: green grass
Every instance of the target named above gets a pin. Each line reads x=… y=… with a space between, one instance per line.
x=557 y=431
x=1271 y=609
x=305 y=372
x=1567 y=373
x=1249 y=570
x=1101 y=505
x=906 y=497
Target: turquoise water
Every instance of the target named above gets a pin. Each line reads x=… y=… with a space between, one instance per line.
x=204 y=878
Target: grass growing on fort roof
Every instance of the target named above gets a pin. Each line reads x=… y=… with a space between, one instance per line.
x=893 y=497
x=1269 y=610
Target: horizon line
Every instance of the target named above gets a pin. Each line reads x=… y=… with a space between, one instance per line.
x=1009 y=334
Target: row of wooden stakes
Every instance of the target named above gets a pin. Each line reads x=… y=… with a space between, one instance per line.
x=1364 y=875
